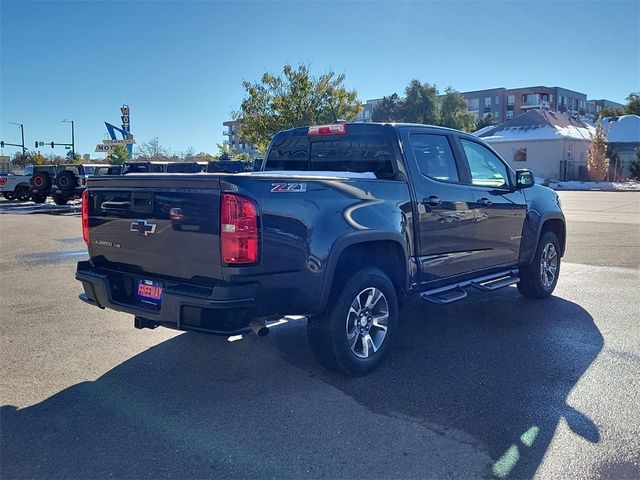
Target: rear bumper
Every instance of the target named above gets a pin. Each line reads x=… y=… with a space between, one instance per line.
x=222 y=309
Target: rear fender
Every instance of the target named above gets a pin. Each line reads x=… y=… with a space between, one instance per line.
x=356 y=238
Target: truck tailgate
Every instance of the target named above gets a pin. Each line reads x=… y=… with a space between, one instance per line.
x=157 y=225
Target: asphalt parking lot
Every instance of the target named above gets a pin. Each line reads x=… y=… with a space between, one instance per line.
x=494 y=386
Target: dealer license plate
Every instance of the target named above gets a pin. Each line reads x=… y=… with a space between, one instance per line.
x=149 y=292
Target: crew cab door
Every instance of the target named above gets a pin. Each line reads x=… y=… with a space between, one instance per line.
x=443 y=203
x=499 y=209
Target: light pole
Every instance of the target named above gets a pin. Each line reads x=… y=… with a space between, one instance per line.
x=73 y=149
x=24 y=150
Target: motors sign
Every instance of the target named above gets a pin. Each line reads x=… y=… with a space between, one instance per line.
x=104 y=148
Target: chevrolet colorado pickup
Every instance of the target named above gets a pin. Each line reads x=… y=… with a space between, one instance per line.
x=341 y=223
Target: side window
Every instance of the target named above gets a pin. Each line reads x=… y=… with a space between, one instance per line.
x=435 y=157
x=487 y=170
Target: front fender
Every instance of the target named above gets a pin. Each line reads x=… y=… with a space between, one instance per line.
x=542 y=206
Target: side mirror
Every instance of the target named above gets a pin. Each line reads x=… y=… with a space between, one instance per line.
x=524 y=178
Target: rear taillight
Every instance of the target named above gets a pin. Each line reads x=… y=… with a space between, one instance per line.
x=238 y=230
x=338 y=129
x=85 y=216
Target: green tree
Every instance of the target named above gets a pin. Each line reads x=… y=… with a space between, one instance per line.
x=610 y=112
x=118 y=155
x=486 y=121
x=420 y=104
x=388 y=110
x=203 y=157
x=293 y=99
x=453 y=111
x=597 y=162
x=633 y=104
x=72 y=157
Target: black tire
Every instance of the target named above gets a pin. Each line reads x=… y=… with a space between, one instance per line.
x=533 y=283
x=60 y=199
x=22 y=193
x=9 y=196
x=329 y=332
x=66 y=181
x=39 y=197
x=41 y=181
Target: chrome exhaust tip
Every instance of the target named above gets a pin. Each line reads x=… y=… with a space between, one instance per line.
x=259 y=328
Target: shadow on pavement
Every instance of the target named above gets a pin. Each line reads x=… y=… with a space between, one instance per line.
x=491 y=374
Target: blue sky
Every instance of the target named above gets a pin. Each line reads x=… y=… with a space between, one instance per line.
x=179 y=65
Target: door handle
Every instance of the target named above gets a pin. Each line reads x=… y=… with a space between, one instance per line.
x=432 y=201
x=485 y=202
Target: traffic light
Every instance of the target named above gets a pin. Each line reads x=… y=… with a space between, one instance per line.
x=52 y=144
x=1 y=143
x=36 y=144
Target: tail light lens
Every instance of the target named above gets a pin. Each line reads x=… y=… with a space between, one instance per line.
x=238 y=230
x=85 y=216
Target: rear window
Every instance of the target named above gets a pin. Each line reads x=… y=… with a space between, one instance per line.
x=361 y=149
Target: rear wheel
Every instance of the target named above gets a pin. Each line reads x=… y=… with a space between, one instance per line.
x=39 y=197
x=60 y=199
x=354 y=334
x=539 y=279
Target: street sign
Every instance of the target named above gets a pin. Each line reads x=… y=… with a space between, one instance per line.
x=126 y=141
x=105 y=148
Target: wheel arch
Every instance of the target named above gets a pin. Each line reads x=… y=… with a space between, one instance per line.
x=535 y=226
x=384 y=250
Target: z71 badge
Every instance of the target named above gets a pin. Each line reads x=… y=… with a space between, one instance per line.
x=288 y=187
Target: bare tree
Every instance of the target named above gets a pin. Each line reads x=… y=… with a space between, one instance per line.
x=597 y=161
x=152 y=151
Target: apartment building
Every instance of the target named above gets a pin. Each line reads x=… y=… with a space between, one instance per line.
x=507 y=103
x=367 y=112
x=232 y=140
x=594 y=107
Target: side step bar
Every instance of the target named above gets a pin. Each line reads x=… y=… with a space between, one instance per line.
x=455 y=292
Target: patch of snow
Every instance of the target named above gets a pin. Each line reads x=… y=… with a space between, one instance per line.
x=483 y=130
x=545 y=132
x=628 y=185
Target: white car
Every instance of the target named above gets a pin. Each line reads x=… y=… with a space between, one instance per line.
x=15 y=187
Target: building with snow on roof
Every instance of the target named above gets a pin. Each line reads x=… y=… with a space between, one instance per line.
x=623 y=136
x=551 y=144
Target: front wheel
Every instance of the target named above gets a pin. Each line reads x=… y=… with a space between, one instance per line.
x=354 y=334
x=539 y=279
x=22 y=193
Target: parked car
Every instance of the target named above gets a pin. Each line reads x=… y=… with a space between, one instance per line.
x=341 y=225
x=15 y=187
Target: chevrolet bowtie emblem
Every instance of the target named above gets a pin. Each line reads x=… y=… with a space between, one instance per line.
x=142 y=227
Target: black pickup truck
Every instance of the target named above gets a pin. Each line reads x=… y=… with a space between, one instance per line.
x=341 y=224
